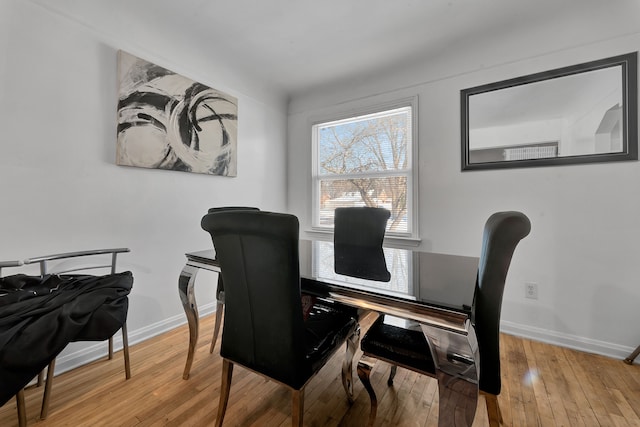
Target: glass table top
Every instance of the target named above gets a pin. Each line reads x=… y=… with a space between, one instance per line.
x=428 y=278
x=423 y=278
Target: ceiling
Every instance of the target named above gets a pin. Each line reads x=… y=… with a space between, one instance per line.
x=295 y=45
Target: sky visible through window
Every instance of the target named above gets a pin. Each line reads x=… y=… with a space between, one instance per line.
x=365 y=161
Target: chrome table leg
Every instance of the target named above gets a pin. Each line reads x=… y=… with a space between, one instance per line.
x=347 y=365
x=188 y=299
x=456 y=358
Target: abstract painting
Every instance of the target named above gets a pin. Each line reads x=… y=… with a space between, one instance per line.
x=167 y=121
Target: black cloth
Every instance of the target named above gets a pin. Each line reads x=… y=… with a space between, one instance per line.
x=40 y=316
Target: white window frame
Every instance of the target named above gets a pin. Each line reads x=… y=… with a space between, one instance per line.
x=412 y=236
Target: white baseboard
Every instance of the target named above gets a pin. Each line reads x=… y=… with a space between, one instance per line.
x=588 y=345
x=66 y=362
x=98 y=350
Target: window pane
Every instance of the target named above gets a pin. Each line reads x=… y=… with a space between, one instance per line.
x=365 y=160
x=386 y=192
x=371 y=143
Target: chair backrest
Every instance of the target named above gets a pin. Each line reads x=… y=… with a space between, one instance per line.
x=92 y=259
x=263 y=323
x=358 y=236
x=232 y=208
x=4 y=264
x=229 y=208
x=502 y=232
x=360 y=226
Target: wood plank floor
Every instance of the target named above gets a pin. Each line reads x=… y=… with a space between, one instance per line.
x=543 y=385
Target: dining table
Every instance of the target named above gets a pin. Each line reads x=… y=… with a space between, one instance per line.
x=429 y=291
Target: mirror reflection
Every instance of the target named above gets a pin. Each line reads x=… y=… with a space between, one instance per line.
x=363 y=262
x=568 y=115
x=397 y=262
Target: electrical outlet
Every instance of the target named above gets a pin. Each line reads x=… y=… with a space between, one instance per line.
x=531 y=290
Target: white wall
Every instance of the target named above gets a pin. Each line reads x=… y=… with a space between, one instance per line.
x=60 y=187
x=584 y=246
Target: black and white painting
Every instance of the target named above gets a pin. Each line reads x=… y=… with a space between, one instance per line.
x=167 y=121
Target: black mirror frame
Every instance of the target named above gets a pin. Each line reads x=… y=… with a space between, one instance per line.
x=628 y=62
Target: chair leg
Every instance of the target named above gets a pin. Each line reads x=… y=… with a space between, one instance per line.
x=347 y=365
x=22 y=410
x=225 y=387
x=629 y=360
x=44 y=411
x=392 y=375
x=110 y=348
x=493 y=410
x=216 y=327
x=365 y=366
x=125 y=351
x=297 y=407
x=219 y=311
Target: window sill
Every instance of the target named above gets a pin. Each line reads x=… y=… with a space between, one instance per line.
x=391 y=241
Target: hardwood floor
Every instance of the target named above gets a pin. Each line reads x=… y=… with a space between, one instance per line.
x=543 y=385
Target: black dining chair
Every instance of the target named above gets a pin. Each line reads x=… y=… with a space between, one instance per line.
x=408 y=348
x=20 y=403
x=83 y=307
x=264 y=329
x=360 y=225
x=358 y=236
x=92 y=261
x=220 y=287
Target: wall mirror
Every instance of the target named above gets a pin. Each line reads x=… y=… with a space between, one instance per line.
x=579 y=114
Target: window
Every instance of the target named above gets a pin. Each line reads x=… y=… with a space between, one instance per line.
x=366 y=160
